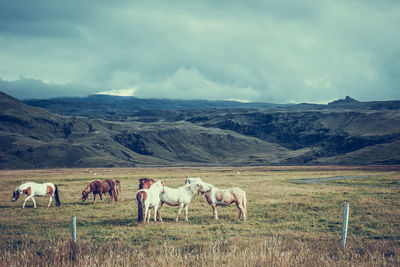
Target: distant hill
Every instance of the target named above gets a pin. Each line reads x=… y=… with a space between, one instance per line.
x=117 y=107
x=109 y=134
x=123 y=107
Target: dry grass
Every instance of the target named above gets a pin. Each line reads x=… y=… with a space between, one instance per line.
x=289 y=224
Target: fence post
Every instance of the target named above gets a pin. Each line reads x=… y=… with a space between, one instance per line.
x=73 y=251
x=345 y=223
x=73 y=223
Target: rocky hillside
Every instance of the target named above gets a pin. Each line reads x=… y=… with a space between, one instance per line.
x=342 y=132
x=32 y=137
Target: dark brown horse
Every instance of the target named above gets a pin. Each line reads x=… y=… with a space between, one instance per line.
x=145 y=183
x=100 y=187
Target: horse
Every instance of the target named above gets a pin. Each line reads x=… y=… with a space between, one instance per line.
x=217 y=197
x=34 y=189
x=145 y=183
x=181 y=197
x=147 y=199
x=118 y=190
x=100 y=187
x=224 y=197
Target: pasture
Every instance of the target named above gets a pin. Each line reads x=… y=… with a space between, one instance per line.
x=289 y=223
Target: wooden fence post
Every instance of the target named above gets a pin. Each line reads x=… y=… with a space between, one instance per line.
x=345 y=224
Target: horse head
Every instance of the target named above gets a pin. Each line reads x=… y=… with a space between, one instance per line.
x=205 y=187
x=16 y=194
x=84 y=195
x=194 y=187
x=145 y=183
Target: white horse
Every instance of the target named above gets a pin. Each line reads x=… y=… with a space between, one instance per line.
x=191 y=180
x=34 y=189
x=181 y=197
x=147 y=199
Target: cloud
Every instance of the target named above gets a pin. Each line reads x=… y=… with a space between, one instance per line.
x=301 y=51
x=25 y=88
x=189 y=83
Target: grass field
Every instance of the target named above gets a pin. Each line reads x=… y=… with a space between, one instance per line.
x=289 y=223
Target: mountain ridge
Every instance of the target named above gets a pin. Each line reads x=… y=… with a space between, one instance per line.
x=122 y=107
x=33 y=137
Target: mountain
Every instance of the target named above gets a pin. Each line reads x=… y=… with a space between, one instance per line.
x=32 y=137
x=123 y=108
x=343 y=132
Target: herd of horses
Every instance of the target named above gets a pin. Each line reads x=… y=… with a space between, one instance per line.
x=151 y=195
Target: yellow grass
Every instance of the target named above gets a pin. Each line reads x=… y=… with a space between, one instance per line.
x=290 y=224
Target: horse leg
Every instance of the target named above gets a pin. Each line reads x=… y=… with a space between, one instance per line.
x=26 y=199
x=186 y=212
x=155 y=214
x=101 y=197
x=240 y=210
x=146 y=214
x=34 y=203
x=214 y=207
x=159 y=212
x=179 y=212
x=50 y=201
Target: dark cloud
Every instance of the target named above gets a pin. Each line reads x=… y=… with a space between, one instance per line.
x=274 y=51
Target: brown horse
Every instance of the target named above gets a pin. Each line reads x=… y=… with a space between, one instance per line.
x=145 y=183
x=100 y=187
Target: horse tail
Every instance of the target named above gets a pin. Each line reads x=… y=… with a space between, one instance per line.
x=115 y=194
x=118 y=185
x=56 y=196
x=244 y=205
x=141 y=198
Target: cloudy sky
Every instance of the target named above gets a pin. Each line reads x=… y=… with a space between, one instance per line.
x=270 y=51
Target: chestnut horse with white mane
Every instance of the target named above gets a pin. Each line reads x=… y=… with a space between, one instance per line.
x=147 y=199
x=34 y=189
x=101 y=187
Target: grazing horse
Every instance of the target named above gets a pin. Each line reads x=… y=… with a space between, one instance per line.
x=100 y=187
x=147 y=199
x=145 y=183
x=224 y=197
x=33 y=189
x=181 y=197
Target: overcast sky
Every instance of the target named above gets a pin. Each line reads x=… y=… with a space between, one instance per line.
x=270 y=51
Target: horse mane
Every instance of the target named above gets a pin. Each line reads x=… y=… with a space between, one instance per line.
x=88 y=188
